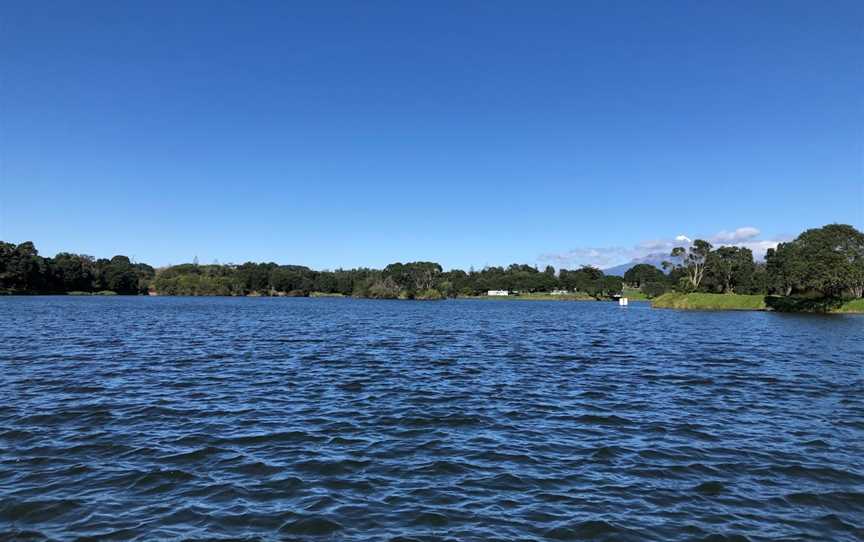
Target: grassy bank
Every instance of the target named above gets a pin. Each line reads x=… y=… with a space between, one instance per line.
x=634 y=295
x=731 y=302
x=854 y=306
x=709 y=302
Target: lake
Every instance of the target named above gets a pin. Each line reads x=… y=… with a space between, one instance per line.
x=341 y=419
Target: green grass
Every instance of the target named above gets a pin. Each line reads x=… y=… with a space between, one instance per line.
x=634 y=295
x=325 y=294
x=853 y=306
x=710 y=302
x=729 y=302
x=105 y=292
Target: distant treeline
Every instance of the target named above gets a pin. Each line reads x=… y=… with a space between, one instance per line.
x=22 y=270
x=823 y=262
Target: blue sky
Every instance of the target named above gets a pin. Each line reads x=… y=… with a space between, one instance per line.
x=470 y=133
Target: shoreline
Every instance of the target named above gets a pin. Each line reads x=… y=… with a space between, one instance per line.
x=755 y=303
x=701 y=302
x=543 y=298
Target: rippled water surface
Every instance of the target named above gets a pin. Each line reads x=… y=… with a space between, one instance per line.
x=341 y=419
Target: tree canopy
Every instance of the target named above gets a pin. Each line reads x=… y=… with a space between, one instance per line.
x=643 y=273
x=22 y=269
x=826 y=262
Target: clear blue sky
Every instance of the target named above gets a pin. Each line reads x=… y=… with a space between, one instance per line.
x=470 y=133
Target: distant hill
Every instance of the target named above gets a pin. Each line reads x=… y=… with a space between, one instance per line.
x=654 y=259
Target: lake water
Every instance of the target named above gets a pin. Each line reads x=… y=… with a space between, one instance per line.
x=341 y=419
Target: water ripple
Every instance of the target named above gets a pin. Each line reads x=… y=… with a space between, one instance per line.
x=339 y=419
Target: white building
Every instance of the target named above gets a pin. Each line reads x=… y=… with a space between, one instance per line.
x=497 y=292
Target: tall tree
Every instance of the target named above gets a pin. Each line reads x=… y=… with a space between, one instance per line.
x=827 y=260
x=641 y=273
x=729 y=269
x=692 y=260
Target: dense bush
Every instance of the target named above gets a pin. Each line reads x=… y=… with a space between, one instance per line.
x=654 y=289
x=23 y=270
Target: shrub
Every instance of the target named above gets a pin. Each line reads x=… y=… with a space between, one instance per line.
x=384 y=289
x=653 y=289
x=803 y=303
x=429 y=295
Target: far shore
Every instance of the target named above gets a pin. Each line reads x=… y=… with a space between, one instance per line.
x=543 y=297
x=670 y=300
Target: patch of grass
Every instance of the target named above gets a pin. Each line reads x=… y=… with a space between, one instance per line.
x=729 y=302
x=325 y=294
x=78 y=293
x=853 y=306
x=709 y=302
x=634 y=295
x=105 y=292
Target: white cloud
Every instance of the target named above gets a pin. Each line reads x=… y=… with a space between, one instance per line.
x=604 y=257
x=739 y=235
x=598 y=257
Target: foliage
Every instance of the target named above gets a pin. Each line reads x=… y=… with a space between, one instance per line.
x=729 y=270
x=692 y=262
x=803 y=304
x=430 y=294
x=609 y=286
x=827 y=260
x=582 y=280
x=385 y=288
x=642 y=273
x=824 y=264
x=654 y=289
x=23 y=270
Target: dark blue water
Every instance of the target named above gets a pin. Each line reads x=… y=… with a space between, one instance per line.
x=340 y=419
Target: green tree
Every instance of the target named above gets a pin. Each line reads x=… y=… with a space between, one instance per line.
x=120 y=276
x=74 y=272
x=641 y=273
x=692 y=261
x=653 y=289
x=729 y=269
x=610 y=285
x=827 y=260
x=21 y=268
x=384 y=288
